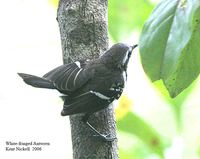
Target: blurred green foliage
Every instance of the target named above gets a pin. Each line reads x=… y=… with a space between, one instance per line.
x=133 y=124
x=54 y=2
x=169 y=51
x=175 y=103
x=173 y=24
x=126 y=16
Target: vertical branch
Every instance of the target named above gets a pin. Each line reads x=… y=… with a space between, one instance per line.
x=83 y=29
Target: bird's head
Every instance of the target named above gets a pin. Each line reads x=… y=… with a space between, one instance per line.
x=118 y=56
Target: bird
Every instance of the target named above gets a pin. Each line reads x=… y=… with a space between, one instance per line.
x=88 y=86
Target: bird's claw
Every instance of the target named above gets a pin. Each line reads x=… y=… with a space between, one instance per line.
x=105 y=138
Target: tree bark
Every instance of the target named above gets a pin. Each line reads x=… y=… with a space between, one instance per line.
x=83 y=29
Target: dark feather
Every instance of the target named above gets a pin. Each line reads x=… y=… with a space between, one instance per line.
x=68 y=78
x=87 y=102
x=36 y=81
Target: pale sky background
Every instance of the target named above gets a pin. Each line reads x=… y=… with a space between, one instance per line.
x=30 y=43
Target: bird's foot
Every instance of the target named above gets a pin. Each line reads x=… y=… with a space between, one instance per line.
x=105 y=138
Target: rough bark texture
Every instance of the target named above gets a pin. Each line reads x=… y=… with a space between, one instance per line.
x=83 y=29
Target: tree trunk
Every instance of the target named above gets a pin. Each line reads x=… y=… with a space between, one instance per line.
x=83 y=29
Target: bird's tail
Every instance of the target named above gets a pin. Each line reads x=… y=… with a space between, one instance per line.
x=36 y=81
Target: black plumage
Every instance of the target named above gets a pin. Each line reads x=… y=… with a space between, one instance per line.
x=88 y=86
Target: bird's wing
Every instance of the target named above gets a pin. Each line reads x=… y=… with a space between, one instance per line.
x=101 y=93
x=68 y=78
x=115 y=90
x=88 y=102
x=111 y=85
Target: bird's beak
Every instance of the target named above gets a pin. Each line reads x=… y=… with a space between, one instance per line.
x=134 y=46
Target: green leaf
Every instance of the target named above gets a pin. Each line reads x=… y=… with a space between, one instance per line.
x=135 y=125
x=126 y=16
x=169 y=44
